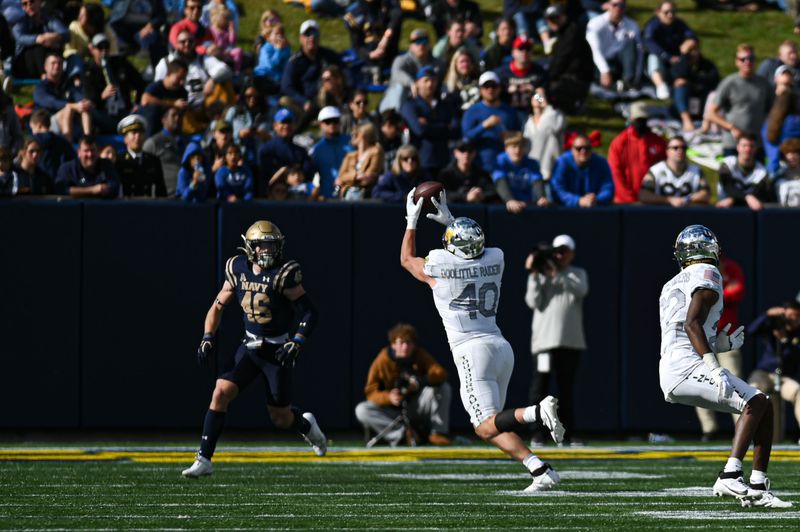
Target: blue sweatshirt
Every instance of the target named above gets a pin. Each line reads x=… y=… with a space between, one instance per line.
x=569 y=182
x=489 y=141
x=272 y=61
x=237 y=182
x=520 y=177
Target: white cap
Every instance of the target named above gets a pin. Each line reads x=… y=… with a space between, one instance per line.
x=488 y=76
x=328 y=112
x=307 y=25
x=564 y=241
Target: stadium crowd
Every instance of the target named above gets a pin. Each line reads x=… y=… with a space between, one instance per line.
x=484 y=114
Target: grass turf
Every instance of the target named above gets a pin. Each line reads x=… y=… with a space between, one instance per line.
x=624 y=488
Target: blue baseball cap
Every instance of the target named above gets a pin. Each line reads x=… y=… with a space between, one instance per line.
x=284 y=115
x=426 y=71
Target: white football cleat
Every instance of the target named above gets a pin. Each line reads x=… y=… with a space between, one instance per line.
x=200 y=468
x=549 y=418
x=315 y=437
x=544 y=478
x=767 y=500
x=732 y=484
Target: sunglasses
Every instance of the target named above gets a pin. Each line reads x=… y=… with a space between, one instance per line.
x=582 y=148
x=184 y=41
x=331 y=121
x=746 y=58
x=359 y=102
x=421 y=41
x=490 y=85
x=677 y=148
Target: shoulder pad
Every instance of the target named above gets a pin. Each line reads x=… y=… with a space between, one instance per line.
x=231 y=268
x=288 y=276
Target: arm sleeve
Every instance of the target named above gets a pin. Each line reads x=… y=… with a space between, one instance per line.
x=726 y=184
x=605 y=194
x=501 y=185
x=307 y=313
x=288 y=83
x=377 y=388
x=21 y=35
x=577 y=282
x=557 y=182
x=433 y=373
x=42 y=98
x=593 y=38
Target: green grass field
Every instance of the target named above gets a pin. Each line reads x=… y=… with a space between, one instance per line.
x=473 y=487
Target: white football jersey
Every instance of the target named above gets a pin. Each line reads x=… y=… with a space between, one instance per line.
x=466 y=293
x=678 y=357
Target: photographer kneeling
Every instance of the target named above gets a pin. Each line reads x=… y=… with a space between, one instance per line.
x=555 y=293
x=405 y=380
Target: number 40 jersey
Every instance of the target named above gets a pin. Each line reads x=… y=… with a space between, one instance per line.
x=466 y=293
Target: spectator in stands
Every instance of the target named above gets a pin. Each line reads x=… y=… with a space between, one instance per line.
x=61 y=96
x=544 y=131
x=217 y=148
x=333 y=90
x=432 y=122
x=37 y=36
x=91 y=21
x=108 y=82
x=743 y=180
x=300 y=80
x=498 y=52
x=406 y=174
x=616 y=47
x=194 y=175
x=357 y=112
x=10 y=128
x=525 y=14
x=582 y=178
x=517 y=177
x=7 y=45
x=281 y=151
x=574 y=11
x=406 y=378
x=56 y=150
x=405 y=67
x=374 y=27
x=520 y=77
x=783 y=120
x=234 y=180
x=88 y=176
x=485 y=122
x=464 y=180
x=461 y=81
x=190 y=23
x=223 y=32
x=167 y=147
x=9 y=179
x=273 y=57
x=390 y=137
x=32 y=179
x=455 y=39
x=328 y=154
x=742 y=101
x=138 y=24
x=787 y=56
x=787 y=177
x=663 y=35
x=269 y=19
x=632 y=153
x=168 y=92
x=288 y=183
x=140 y=173
x=360 y=168
x=109 y=153
x=442 y=11
x=694 y=78
x=571 y=68
x=250 y=122
x=211 y=5
x=675 y=181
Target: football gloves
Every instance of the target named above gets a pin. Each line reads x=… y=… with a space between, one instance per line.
x=286 y=355
x=205 y=350
x=413 y=210
x=719 y=375
x=442 y=214
x=730 y=342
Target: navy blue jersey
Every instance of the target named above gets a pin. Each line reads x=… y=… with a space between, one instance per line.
x=267 y=312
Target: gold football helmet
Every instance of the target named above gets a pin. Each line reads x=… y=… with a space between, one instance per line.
x=268 y=239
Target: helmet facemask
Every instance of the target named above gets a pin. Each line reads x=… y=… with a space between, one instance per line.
x=464 y=238
x=263 y=244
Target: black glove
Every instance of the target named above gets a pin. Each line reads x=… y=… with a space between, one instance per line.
x=286 y=355
x=205 y=350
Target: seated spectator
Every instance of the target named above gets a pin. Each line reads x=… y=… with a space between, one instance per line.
x=333 y=90
x=498 y=52
x=193 y=176
x=783 y=120
x=787 y=56
x=223 y=34
x=9 y=178
x=517 y=177
x=56 y=150
x=571 y=68
x=544 y=131
x=405 y=67
x=289 y=183
x=374 y=27
x=139 y=172
x=485 y=122
x=461 y=81
x=167 y=147
x=525 y=14
x=616 y=47
x=632 y=153
x=37 y=36
x=32 y=179
x=663 y=35
x=162 y=95
x=432 y=122
x=442 y=11
x=234 y=180
x=390 y=137
x=217 y=148
x=138 y=24
x=190 y=23
x=269 y=19
x=574 y=10
x=455 y=39
x=328 y=154
x=250 y=122
x=109 y=153
x=406 y=174
x=675 y=182
x=787 y=177
x=10 y=128
x=463 y=180
x=695 y=77
x=88 y=176
x=357 y=112
x=406 y=377
x=108 y=82
x=520 y=77
x=273 y=56
x=360 y=168
x=211 y=5
x=582 y=178
x=61 y=96
x=91 y=21
x=743 y=180
x=7 y=45
x=281 y=151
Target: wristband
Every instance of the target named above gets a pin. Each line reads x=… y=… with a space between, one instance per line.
x=710 y=360
x=298 y=340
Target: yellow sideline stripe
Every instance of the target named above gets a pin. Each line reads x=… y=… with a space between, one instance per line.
x=358 y=455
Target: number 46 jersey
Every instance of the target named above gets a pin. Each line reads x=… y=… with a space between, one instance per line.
x=466 y=293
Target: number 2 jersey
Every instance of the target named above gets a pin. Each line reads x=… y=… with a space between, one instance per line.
x=466 y=293
x=267 y=312
x=678 y=357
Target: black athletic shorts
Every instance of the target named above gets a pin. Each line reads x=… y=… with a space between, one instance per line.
x=250 y=363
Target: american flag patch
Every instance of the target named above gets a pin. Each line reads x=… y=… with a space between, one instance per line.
x=712 y=276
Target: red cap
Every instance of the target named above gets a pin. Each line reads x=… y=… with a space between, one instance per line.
x=522 y=42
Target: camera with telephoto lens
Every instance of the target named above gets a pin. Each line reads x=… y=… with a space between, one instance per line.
x=544 y=258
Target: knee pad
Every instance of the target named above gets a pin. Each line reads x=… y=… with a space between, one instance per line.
x=506 y=422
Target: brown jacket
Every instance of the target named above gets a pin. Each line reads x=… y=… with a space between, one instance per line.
x=370 y=167
x=384 y=371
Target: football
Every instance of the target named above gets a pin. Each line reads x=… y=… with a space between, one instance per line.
x=427 y=190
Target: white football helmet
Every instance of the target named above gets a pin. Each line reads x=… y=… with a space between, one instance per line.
x=464 y=238
x=696 y=243
x=268 y=238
